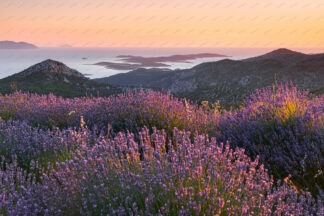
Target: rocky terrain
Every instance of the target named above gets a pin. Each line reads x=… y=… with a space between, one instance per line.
x=51 y=76
x=16 y=45
x=53 y=69
x=229 y=81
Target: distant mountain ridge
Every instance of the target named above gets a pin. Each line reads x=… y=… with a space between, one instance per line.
x=281 y=52
x=16 y=45
x=229 y=81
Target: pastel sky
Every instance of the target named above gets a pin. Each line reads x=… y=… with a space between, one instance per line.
x=164 y=23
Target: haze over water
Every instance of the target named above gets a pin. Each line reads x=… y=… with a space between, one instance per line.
x=81 y=59
x=147 y=23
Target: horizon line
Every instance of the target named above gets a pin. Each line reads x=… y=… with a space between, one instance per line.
x=182 y=47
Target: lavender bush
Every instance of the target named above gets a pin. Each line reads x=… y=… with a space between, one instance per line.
x=24 y=143
x=91 y=156
x=123 y=112
x=285 y=127
x=122 y=177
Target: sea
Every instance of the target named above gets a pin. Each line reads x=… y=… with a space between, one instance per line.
x=83 y=59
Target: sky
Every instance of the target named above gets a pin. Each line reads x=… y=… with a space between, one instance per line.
x=164 y=23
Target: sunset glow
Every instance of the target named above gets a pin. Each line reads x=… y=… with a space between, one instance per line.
x=164 y=23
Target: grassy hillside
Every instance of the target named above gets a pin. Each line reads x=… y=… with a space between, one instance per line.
x=42 y=86
x=54 y=77
x=230 y=81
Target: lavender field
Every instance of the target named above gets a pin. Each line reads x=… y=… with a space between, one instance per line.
x=149 y=153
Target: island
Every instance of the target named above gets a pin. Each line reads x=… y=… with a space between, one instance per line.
x=16 y=45
x=130 y=62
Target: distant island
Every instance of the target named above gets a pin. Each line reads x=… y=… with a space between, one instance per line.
x=16 y=45
x=130 y=62
x=65 y=46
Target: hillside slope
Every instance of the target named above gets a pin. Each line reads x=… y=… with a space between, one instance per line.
x=54 y=77
x=229 y=81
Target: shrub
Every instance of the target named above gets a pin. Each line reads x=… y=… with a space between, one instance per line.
x=123 y=112
x=285 y=127
x=24 y=143
x=122 y=177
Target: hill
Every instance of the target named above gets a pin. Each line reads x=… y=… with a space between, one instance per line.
x=51 y=76
x=229 y=81
x=16 y=45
